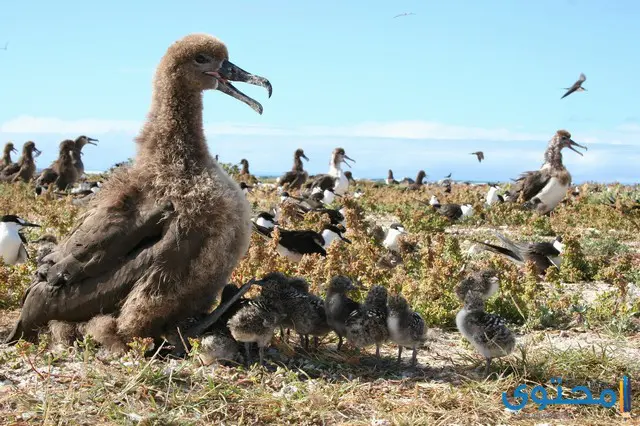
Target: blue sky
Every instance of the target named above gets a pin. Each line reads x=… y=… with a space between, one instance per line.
x=420 y=91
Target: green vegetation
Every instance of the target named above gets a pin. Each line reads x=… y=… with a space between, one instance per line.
x=580 y=323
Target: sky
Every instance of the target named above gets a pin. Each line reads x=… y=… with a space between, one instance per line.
x=408 y=93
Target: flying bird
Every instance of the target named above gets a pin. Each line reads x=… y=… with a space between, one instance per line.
x=404 y=14
x=479 y=154
x=5 y=46
x=577 y=86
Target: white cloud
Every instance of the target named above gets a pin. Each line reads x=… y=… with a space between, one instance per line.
x=392 y=130
x=402 y=130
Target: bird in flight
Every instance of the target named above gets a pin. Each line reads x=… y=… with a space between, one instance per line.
x=479 y=154
x=404 y=14
x=577 y=86
x=5 y=46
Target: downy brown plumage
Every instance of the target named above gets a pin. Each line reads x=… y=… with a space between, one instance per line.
x=161 y=238
x=24 y=169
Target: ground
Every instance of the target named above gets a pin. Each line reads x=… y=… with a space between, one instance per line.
x=579 y=323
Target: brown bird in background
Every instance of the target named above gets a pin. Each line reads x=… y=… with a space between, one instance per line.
x=479 y=154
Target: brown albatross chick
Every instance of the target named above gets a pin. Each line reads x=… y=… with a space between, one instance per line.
x=25 y=167
x=6 y=155
x=297 y=176
x=162 y=236
x=80 y=142
x=61 y=172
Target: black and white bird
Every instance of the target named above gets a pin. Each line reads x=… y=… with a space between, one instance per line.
x=452 y=211
x=393 y=234
x=293 y=244
x=543 y=254
x=331 y=233
x=406 y=327
x=488 y=333
x=542 y=190
x=12 y=242
x=492 y=195
x=368 y=325
x=338 y=306
x=576 y=87
x=265 y=220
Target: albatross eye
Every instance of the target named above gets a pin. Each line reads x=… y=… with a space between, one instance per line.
x=201 y=59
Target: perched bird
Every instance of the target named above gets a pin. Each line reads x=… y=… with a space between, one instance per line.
x=368 y=325
x=390 y=180
x=293 y=244
x=266 y=220
x=80 y=142
x=492 y=195
x=62 y=173
x=244 y=171
x=336 y=178
x=163 y=235
x=297 y=176
x=339 y=306
x=406 y=327
x=258 y=318
x=452 y=211
x=6 y=155
x=542 y=190
x=331 y=233
x=12 y=250
x=349 y=177
x=488 y=333
x=393 y=234
x=576 y=87
x=245 y=188
x=24 y=169
x=418 y=182
x=479 y=154
x=543 y=254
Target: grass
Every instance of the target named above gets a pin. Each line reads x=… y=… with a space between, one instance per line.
x=581 y=323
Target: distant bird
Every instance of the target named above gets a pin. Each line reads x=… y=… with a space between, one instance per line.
x=404 y=14
x=488 y=333
x=393 y=234
x=336 y=177
x=80 y=142
x=577 y=86
x=297 y=176
x=417 y=184
x=543 y=189
x=6 y=155
x=492 y=195
x=452 y=211
x=338 y=306
x=406 y=327
x=448 y=176
x=24 y=168
x=478 y=154
x=390 y=180
x=62 y=172
x=12 y=242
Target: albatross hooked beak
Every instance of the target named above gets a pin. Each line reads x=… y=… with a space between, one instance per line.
x=14 y=150
x=571 y=143
x=345 y=157
x=230 y=72
x=37 y=151
x=92 y=141
x=305 y=157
